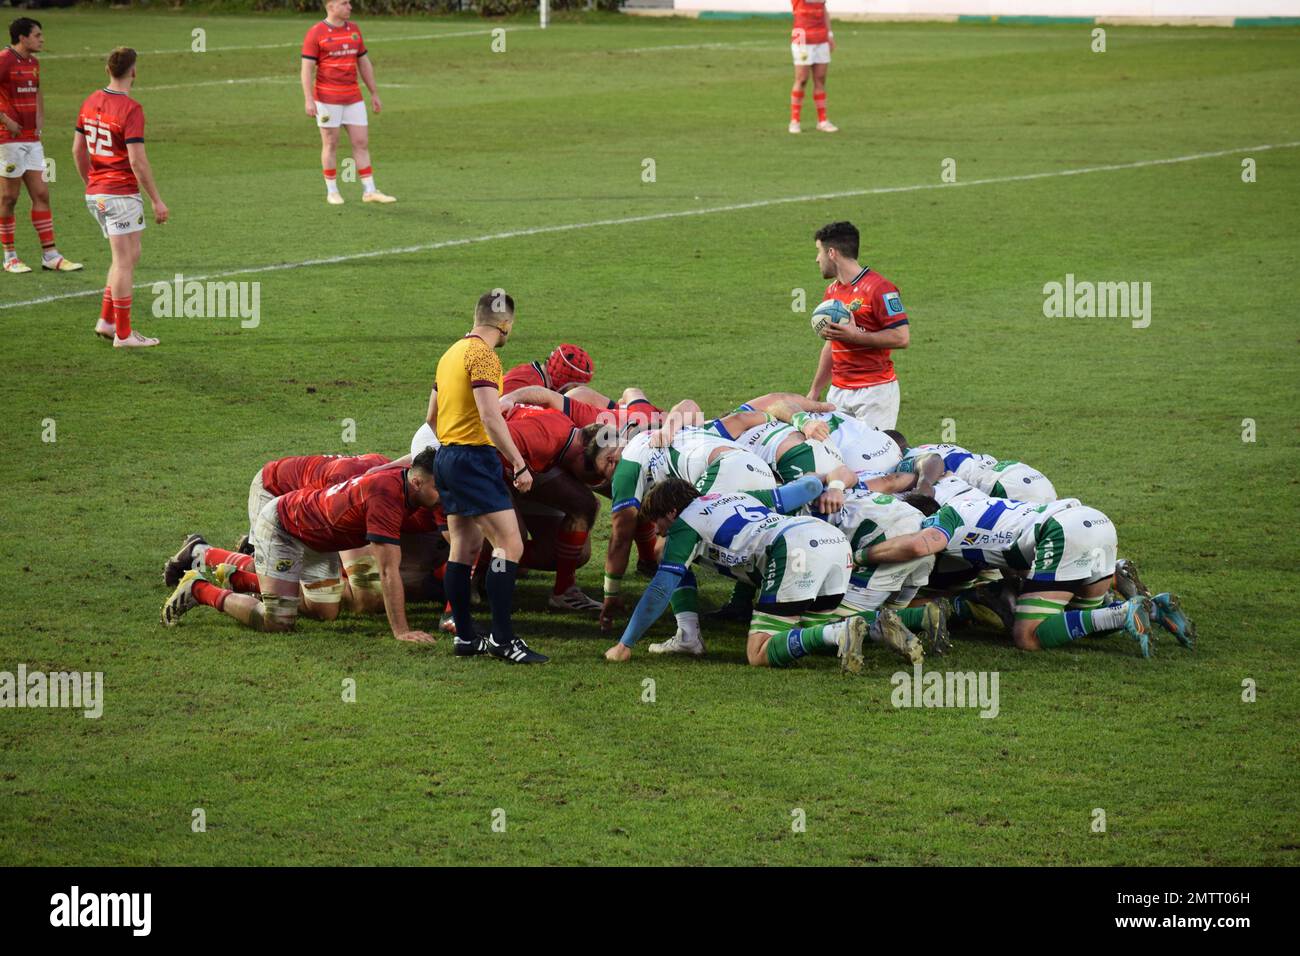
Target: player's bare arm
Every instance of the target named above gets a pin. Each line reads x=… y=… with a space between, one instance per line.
x=685 y=414
x=489 y=410
x=822 y=377
x=431 y=414
x=532 y=395
x=908 y=547
x=144 y=173
x=622 y=531
x=308 y=73
x=367 y=71
x=389 y=559
x=897 y=338
x=81 y=157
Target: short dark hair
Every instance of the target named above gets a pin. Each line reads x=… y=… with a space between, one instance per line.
x=491 y=305
x=899 y=440
x=671 y=494
x=424 y=460
x=922 y=503
x=120 y=62
x=22 y=27
x=840 y=236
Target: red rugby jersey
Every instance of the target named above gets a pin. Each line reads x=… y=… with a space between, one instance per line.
x=583 y=414
x=812 y=21
x=350 y=514
x=336 y=51
x=110 y=120
x=542 y=436
x=315 y=471
x=20 y=84
x=876 y=305
x=522 y=376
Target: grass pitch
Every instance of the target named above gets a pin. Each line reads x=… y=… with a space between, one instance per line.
x=1146 y=424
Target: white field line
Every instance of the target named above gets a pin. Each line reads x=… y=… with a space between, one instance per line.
x=296 y=43
x=660 y=216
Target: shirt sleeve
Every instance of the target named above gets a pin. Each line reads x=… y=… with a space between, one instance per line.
x=627 y=485
x=483 y=367
x=311 y=45
x=133 y=128
x=887 y=307
x=946 y=519
x=679 y=548
x=384 y=516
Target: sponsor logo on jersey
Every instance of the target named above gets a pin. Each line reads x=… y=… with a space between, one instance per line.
x=893 y=303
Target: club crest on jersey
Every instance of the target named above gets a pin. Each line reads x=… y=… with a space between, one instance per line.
x=10 y=167
x=855 y=305
x=284 y=564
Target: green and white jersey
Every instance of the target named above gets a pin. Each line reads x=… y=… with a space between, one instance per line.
x=764 y=440
x=642 y=465
x=966 y=465
x=950 y=488
x=868 y=451
x=732 y=531
x=996 y=533
x=868 y=518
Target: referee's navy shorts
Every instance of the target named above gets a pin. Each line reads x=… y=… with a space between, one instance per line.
x=470 y=481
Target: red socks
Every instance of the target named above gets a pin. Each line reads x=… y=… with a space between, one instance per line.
x=796 y=104
x=7 y=233
x=44 y=223
x=820 y=100
x=122 y=316
x=106 y=306
x=210 y=594
x=244 y=579
x=568 y=551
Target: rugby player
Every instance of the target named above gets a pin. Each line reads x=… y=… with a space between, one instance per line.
x=1066 y=552
x=800 y=564
x=855 y=360
x=296 y=542
x=811 y=44
x=22 y=157
x=998 y=478
x=566 y=367
x=333 y=53
x=108 y=149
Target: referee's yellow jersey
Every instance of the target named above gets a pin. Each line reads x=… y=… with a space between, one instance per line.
x=469 y=364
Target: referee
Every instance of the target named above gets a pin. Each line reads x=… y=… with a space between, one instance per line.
x=465 y=414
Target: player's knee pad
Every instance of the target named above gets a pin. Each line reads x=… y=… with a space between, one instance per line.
x=326 y=591
x=363 y=574
x=279 y=612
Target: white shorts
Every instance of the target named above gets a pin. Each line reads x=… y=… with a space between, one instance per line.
x=887 y=580
x=258 y=496
x=117 y=215
x=279 y=555
x=1083 y=549
x=808 y=561
x=806 y=54
x=19 y=158
x=1018 y=481
x=333 y=115
x=423 y=438
x=876 y=405
x=736 y=471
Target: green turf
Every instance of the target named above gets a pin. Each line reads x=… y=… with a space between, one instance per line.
x=1144 y=423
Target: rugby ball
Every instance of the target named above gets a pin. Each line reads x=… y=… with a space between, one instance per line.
x=831 y=312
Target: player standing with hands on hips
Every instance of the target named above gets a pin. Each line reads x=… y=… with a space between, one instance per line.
x=811 y=43
x=465 y=415
x=333 y=53
x=855 y=359
x=108 y=148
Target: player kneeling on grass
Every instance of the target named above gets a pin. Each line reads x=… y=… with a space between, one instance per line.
x=800 y=565
x=1065 y=551
x=296 y=540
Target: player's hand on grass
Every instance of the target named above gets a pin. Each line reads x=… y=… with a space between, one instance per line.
x=375 y=103
x=416 y=637
x=160 y=212
x=619 y=653
x=612 y=606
